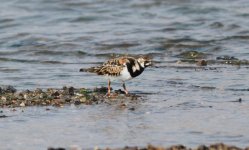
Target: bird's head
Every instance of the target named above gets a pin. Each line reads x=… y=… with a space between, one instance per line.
x=144 y=61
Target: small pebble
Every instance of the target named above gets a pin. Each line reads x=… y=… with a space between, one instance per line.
x=25 y=96
x=132 y=108
x=3 y=98
x=201 y=63
x=83 y=100
x=22 y=104
x=77 y=102
x=3 y=116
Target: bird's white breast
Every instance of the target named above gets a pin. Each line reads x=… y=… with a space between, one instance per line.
x=125 y=75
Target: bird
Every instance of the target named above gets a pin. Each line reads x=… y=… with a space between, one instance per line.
x=121 y=68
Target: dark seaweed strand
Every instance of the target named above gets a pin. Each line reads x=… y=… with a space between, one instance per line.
x=129 y=67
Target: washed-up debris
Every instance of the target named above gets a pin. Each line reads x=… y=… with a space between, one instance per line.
x=225 y=57
x=58 y=97
x=231 y=60
x=192 y=55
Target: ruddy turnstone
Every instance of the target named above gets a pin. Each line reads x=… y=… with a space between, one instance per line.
x=121 y=68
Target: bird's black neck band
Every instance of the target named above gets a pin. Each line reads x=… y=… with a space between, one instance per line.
x=137 y=72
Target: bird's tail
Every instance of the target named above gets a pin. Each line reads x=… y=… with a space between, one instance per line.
x=92 y=69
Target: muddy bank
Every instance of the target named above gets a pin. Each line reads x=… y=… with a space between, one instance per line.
x=219 y=146
x=10 y=97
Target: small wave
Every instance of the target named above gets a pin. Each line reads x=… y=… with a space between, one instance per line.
x=29 y=42
x=240 y=37
x=6 y=20
x=107 y=46
x=53 y=62
x=86 y=19
x=185 y=43
x=15 y=52
x=237 y=90
x=59 y=53
x=18 y=60
x=203 y=87
x=32 y=61
x=9 y=70
x=217 y=25
x=8 y=25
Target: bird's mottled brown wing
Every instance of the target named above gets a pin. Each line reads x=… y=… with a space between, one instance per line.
x=116 y=61
x=112 y=67
x=111 y=70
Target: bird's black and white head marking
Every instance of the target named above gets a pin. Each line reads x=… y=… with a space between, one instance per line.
x=137 y=66
x=144 y=62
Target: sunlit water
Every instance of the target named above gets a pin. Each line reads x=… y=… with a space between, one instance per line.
x=44 y=43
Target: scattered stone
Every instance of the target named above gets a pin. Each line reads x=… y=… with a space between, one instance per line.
x=219 y=146
x=231 y=60
x=3 y=116
x=56 y=148
x=226 y=58
x=55 y=94
x=68 y=91
x=119 y=91
x=216 y=25
x=192 y=55
x=202 y=147
x=83 y=100
x=122 y=105
x=7 y=89
x=201 y=63
x=101 y=89
x=60 y=97
x=238 y=100
x=22 y=104
x=71 y=91
x=77 y=102
x=132 y=108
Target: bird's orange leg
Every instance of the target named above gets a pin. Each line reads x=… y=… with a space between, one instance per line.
x=109 y=88
x=126 y=92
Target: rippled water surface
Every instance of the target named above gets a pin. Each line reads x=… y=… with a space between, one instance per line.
x=43 y=43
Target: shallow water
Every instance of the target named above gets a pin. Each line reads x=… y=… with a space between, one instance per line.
x=44 y=43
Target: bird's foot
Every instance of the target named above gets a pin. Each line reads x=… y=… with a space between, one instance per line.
x=108 y=94
x=111 y=95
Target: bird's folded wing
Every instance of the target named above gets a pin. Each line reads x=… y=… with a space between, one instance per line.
x=113 y=70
